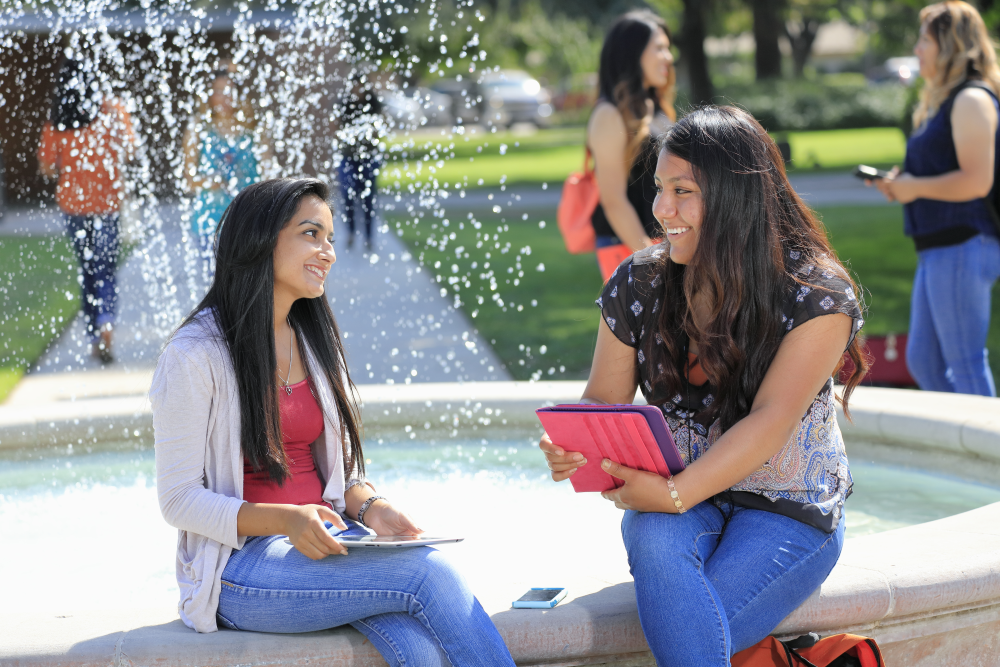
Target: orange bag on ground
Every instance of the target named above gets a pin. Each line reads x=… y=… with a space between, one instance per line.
x=811 y=651
x=579 y=199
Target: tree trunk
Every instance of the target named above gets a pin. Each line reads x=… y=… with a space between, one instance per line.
x=767 y=27
x=692 y=47
x=802 y=43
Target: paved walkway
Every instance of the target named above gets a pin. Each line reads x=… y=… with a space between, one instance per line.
x=396 y=325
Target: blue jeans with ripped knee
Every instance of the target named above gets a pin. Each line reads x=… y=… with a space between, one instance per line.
x=701 y=598
x=413 y=606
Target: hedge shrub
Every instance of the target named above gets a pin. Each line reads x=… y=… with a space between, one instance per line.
x=786 y=105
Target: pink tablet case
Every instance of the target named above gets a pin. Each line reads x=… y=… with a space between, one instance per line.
x=621 y=433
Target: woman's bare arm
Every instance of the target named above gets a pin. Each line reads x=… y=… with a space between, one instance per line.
x=804 y=363
x=303 y=524
x=974 y=127
x=806 y=358
x=608 y=139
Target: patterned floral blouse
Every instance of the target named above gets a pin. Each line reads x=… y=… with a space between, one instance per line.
x=809 y=479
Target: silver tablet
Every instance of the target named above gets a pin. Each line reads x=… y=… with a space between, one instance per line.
x=351 y=541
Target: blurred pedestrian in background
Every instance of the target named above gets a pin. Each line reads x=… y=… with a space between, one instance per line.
x=636 y=89
x=945 y=186
x=361 y=126
x=222 y=150
x=84 y=144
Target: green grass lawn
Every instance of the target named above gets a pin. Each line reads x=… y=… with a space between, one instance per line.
x=845 y=149
x=543 y=321
x=39 y=296
x=485 y=159
x=549 y=156
x=869 y=239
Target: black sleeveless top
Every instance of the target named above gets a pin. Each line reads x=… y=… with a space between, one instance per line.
x=641 y=192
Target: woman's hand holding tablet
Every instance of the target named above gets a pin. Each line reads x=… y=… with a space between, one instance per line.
x=640 y=490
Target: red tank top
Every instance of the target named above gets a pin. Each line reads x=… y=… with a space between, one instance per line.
x=301 y=424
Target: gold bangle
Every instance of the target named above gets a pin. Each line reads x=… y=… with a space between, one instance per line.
x=673 y=496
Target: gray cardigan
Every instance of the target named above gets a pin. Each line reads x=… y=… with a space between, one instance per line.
x=199 y=464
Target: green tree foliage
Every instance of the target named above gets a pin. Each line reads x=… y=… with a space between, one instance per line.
x=548 y=44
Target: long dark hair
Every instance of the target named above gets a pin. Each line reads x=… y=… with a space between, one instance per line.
x=619 y=78
x=752 y=219
x=77 y=97
x=241 y=299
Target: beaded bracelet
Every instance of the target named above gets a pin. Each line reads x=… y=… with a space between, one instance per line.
x=364 y=508
x=673 y=496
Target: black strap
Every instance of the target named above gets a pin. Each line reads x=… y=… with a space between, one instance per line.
x=875 y=651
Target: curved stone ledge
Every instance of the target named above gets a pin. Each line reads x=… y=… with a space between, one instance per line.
x=930 y=594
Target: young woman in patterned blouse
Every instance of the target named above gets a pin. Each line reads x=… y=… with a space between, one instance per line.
x=723 y=327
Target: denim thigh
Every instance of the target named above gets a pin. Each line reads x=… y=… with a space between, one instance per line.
x=96 y=242
x=269 y=586
x=705 y=592
x=765 y=566
x=956 y=283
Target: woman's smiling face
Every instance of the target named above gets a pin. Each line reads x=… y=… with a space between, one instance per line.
x=678 y=206
x=304 y=253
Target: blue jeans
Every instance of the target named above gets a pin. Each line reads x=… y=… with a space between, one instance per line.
x=950 y=317
x=357 y=184
x=95 y=240
x=413 y=606
x=701 y=598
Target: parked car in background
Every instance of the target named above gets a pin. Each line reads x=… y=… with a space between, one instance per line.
x=501 y=98
x=436 y=106
x=513 y=96
x=466 y=98
x=412 y=108
x=904 y=70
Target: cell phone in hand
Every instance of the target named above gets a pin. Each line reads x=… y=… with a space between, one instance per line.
x=864 y=172
x=540 y=598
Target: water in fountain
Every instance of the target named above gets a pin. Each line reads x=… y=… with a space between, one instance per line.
x=290 y=62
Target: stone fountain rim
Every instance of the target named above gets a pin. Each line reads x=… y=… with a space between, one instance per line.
x=903 y=586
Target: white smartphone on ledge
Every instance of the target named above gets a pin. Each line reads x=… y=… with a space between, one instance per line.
x=540 y=598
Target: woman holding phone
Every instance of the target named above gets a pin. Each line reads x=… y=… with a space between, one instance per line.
x=636 y=85
x=734 y=327
x=258 y=437
x=951 y=164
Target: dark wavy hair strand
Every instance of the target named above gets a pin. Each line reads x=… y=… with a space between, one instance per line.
x=241 y=299
x=76 y=98
x=751 y=219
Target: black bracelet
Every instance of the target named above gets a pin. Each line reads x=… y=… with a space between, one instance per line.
x=364 y=508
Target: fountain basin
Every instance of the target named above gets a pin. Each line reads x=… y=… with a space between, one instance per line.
x=929 y=593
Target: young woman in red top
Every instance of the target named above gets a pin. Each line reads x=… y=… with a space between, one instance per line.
x=258 y=438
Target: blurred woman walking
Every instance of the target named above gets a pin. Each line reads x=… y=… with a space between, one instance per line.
x=84 y=144
x=636 y=86
x=361 y=127
x=946 y=187
x=221 y=158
